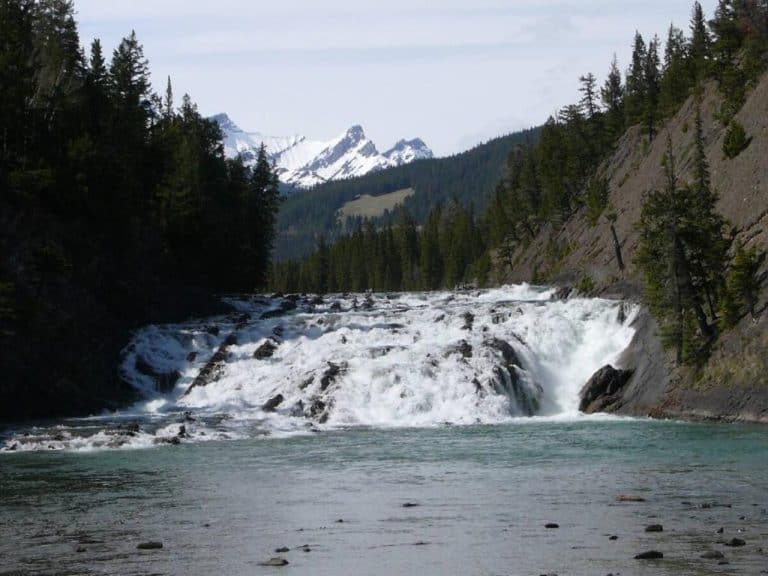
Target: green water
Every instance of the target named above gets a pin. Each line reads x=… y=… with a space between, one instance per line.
x=483 y=495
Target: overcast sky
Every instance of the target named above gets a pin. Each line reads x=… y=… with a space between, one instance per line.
x=453 y=72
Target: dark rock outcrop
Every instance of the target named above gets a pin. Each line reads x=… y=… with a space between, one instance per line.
x=331 y=374
x=164 y=381
x=603 y=389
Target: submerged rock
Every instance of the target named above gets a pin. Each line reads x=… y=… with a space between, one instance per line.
x=551 y=526
x=331 y=374
x=150 y=546
x=649 y=555
x=164 y=381
x=736 y=543
x=603 y=389
x=276 y=562
x=654 y=528
x=713 y=555
x=562 y=293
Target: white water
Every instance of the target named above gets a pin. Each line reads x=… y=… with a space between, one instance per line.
x=399 y=366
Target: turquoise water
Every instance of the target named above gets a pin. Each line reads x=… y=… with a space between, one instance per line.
x=483 y=495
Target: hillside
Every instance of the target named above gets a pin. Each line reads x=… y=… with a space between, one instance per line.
x=732 y=384
x=469 y=178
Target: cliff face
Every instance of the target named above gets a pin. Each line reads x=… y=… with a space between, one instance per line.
x=734 y=384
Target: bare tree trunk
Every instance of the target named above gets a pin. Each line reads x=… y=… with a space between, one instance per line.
x=617 y=248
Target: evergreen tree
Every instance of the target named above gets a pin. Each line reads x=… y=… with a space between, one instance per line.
x=636 y=85
x=612 y=94
x=699 y=50
x=652 y=88
x=675 y=80
x=588 y=89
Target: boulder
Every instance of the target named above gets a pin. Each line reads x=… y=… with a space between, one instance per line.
x=603 y=389
x=331 y=374
x=562 y=293
x=736 y=543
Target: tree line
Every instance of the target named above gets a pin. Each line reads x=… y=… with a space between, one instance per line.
x=116 y=202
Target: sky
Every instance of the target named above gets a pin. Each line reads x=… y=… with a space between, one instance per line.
x=452 y=72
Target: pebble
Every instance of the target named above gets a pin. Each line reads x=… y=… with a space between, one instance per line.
x=150 y=546
x=410 y=505
x=613 y=537
x=551 y=526
x=282 y=550
x=654 y=528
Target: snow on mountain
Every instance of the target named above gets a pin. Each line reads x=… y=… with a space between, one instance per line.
x=304 y=163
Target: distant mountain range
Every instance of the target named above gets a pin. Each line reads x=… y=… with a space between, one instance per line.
x=305 y=163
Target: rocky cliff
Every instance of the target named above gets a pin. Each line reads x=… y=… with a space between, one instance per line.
x=734 y=383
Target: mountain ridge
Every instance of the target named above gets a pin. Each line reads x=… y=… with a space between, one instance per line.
x=305 y=163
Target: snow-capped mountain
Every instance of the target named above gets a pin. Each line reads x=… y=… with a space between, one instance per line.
x=304 y=163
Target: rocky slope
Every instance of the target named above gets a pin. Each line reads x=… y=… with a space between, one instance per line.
x=733 y=385
x=304 y=163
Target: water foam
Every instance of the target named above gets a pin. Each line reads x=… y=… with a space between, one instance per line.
x=400 y=360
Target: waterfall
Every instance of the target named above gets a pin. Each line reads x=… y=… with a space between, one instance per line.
x=294 y=364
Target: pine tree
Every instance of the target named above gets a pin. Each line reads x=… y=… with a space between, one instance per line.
x=636 y=85
x=675 y=80
x=612 y=94
x=168 y=102
x=652 y=88
x=699 y=49
x=588 y=89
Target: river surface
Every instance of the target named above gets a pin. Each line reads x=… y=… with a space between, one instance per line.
x=424 y=434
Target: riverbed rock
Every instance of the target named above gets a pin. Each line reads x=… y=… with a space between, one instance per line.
x=463 y=348
x=649 y=555
x=266 y=350
x=603 y=389
x=272 y=404
x=275 y=562
x=551 y=526
x=150 y=546
x=282 y=550
x=562 y=293
x=712 y=555
x=629 y=498
x=164 y=381
x=735 y=543
x=469 y=320
x=654 y=528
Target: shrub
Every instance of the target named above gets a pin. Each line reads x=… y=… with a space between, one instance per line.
x=735 y=140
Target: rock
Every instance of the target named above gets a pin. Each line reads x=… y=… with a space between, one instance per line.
x=720 y=530
x=81 y=549
x=712 y=555
x=340 y=521
x=735 y=543
x=331 y=374
x=562 y=293
x=551 y=526
x=272 y=404
x=306 y=549
x=266 y=350
x=288 y=304
x=150 y=546
x=613 y=537
x=282 y=550
x=213 y=330
x=182 y=432
x=603 y=389
x=164 y=381
x=629 y=498
x=469 y=320
x=654 y=528
x=463 y=348
x=275 y=562
x=336 y=307
x=410 y=505
x=649 y=555
x=192 y=356
x=188 y=417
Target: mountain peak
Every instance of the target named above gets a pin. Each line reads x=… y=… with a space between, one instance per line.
x=305 y=163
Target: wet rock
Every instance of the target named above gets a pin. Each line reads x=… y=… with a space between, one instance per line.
x=735 y=543
x=603 y=389
x=81 y=549
x=213 y=330
x=463 y=348
x=287 y=305
x=182 y=432
x=214 y=368
x=713 y=555
x=150 y=546
x=231 y=340
x=275 y=562
x=440 y=318
x=562 y=293
x=469 y=320
x=340 y=521
x=242 y=320
x=336 y=307
x=629 y=498
x=551 y=526
x=272 y=404
x=266 y=350
x=164 y=381
x=188 y=417
x=331 y=374
x=654 y=528
x=411 y=505
x=282 y=550
x=613 y=537
x=621 y=317
x=306 y=548
x=192 y=356
x=649 y=555
x=297 y=411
